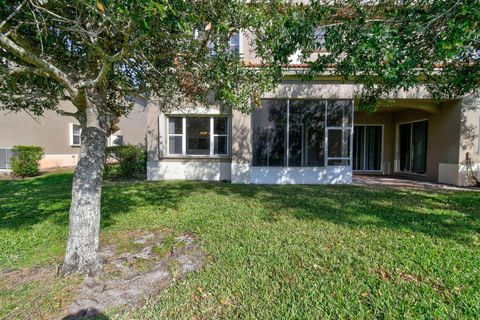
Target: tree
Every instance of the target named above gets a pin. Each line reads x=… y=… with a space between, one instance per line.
x=386 y=46
x=96 y=54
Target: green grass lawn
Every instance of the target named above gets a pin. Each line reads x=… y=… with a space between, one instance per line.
x=296 y=252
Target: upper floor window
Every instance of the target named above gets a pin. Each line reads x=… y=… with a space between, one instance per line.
x=319 y=36
x=235 y=42
x=198 y=135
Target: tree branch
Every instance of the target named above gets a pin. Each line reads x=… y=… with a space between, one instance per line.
x=109 y=60
x=17 y=9
x=40 y=63
x=25 y=69
x=66 y=113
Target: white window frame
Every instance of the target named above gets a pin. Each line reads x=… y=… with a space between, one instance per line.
x=112 y=140
x=71 y=125
x=212 y=136
x=319 y=34
x=176 y=135
x=348 y=129
x=478 y=137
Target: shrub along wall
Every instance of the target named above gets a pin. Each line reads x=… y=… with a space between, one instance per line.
x=127 y=161
x=25 y=163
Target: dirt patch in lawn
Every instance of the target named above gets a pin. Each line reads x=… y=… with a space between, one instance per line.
x=137 y=265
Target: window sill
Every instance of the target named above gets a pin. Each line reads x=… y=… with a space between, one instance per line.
x=195 y=157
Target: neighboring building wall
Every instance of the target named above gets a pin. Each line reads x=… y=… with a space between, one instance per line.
x=133 y=127
x=52 y=132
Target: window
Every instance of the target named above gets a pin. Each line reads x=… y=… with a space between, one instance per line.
x=115 y=140
x=319 y=37
x=175 y=135
x=269 y=133
x=295 y=132
x=198 y=135
x=5 y=158
x=235 y=42
x=118 y=140
x=220 y=136
x=75 y=135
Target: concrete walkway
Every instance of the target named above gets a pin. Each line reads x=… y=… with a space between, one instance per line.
x=394 y=181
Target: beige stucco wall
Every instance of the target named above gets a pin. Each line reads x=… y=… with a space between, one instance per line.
x=469 y=139
x=133 y=126
x=443 y=136
x=52 y=132
x=470 y=128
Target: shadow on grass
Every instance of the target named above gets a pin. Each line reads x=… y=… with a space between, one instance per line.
x=92 y=314
x=439 y=213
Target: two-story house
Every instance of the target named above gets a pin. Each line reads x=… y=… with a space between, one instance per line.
x=313 y=133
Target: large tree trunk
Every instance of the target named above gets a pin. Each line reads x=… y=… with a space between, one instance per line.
x=84 y=224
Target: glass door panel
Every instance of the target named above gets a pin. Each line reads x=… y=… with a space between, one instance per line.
x=419 y=147
x=405 y=135
x=367 y=148
x=413 y=147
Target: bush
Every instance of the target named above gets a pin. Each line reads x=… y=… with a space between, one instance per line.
x=129 y=160
x=25 y=163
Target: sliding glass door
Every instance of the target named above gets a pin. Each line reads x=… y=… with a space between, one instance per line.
x=412 y=139
x=367 y=148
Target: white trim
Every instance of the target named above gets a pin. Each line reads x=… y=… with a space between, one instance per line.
x=240 y=43
x=287 y=149
x=478 y=137
x=352 y=127
x=189 y=170
x=212 y=136
x=184 y=137
x=301 y=175
x=161 y=135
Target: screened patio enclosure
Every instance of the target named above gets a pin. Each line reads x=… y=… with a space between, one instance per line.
x=302 y=133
